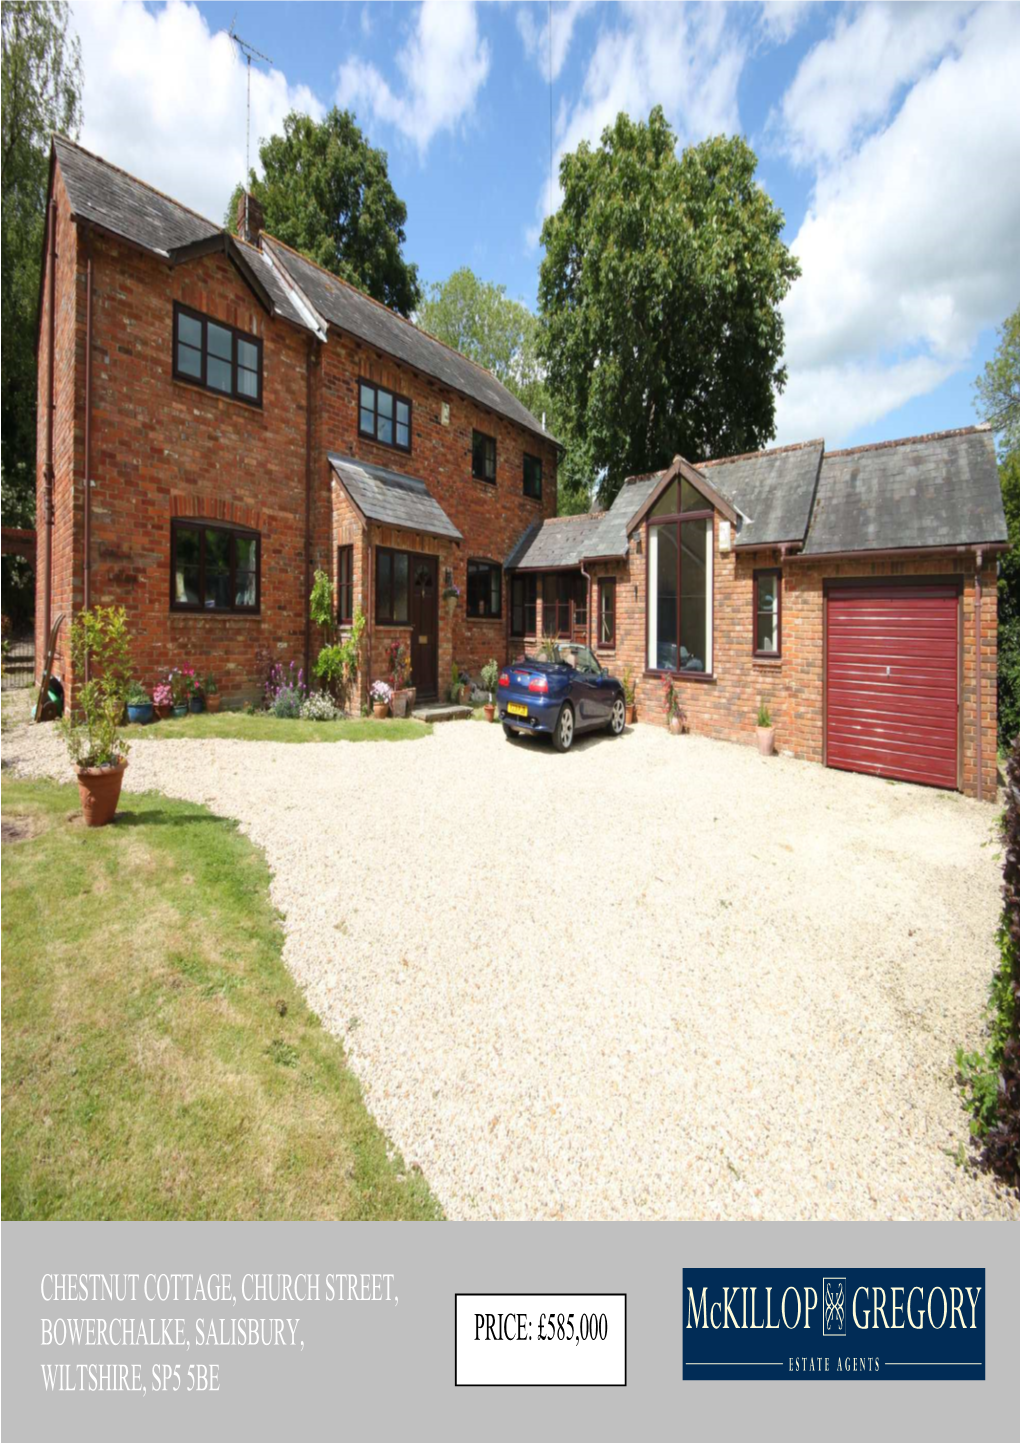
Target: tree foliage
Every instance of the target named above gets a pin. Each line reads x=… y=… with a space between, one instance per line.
x=327 y=192
x=660 y=293
x=41 y=92
x=998 y=400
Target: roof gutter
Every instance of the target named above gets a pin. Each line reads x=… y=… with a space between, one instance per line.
x=901 y=552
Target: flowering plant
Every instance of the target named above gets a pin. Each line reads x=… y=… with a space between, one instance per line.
x=381 y=693
x=162 y=695
x=400 y=665
x=451 y=592
x=181 y=681
x=319 y=707
x=285 y=690
x=671 y=698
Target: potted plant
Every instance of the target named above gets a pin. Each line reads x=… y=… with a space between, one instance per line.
x=139 y=704
x=162 y=700
x=451 y=595
x=100 y=645
x=196 y=701
x=676 y=717
x=490 y=681
x=400 y=672
x=765 y=731
x=180 y=692
x=630 y=696
x=211 y=692
x=381 y=695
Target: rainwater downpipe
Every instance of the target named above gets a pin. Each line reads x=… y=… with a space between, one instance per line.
x=588 y=607
x=87 y=522
x=978 y=558
x=308 y=509
x=50 y=403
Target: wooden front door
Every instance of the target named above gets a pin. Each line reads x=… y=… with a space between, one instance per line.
x=425 y=626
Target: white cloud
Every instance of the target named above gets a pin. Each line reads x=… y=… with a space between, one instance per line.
x=533 y=24
x=688 y=59
x=165 y=99
x=849 y=81
x=781 y=19
x=443 y=66
x=909 y=247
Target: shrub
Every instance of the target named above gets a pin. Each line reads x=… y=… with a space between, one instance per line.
x=319 y=706
x=490 y=676
x=992 y=1077
x=1009 y=682
x=137 y=695
x=339 y=662
x=285 y=690
x=629 y=687
x=100 y=644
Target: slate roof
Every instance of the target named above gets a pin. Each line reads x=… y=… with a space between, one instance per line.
x=937 y=490
x=393 y=498
x=773 y=491
x=107 y=196
x=352 y=311
x=594 y=535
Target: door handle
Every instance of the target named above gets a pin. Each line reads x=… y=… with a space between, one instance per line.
x=423 y=641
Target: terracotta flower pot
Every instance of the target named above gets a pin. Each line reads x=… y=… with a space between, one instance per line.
x=451 y=604
x=99 y=790
x=766 y=740
x=399 y=703
x=379 y=710
x=676 y=726
x=631 y=715
x=490 y=711
x=212 y=703
x=162 y=712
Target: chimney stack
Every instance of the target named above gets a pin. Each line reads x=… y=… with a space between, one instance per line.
x=250 y=218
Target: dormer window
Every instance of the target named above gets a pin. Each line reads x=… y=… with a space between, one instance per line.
x=216 y=356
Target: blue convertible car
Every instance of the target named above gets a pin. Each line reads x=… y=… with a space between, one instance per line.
x=568 y=694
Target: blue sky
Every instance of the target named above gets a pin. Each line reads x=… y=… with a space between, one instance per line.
x=885 y=133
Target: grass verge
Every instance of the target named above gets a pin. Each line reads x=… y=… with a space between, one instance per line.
x=236 y=726
x=158 y=1059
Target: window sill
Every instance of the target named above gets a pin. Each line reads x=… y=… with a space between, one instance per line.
x=253 y=408
x=394 y=625
x=773 y=663
x=390 y=447
x=485 y=620
x=700 y=677
x=492 y=485
x=186 y=613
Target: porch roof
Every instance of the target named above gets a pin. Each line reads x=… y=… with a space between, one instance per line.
x=392 y=498
x=593 y=536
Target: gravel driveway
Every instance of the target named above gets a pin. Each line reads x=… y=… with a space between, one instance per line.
x=656 y=978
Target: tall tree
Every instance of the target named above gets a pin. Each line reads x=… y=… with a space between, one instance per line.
x=480 y=320
x=998 y=402
x=41 y=92
x=660 y=293
x=327 y=192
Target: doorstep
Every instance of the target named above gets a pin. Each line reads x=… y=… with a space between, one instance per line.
x=440 y=711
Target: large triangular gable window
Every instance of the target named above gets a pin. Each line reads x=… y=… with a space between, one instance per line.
x=679 y=600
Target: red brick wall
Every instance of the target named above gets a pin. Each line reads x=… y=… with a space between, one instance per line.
x=491 y=518
x=792 y=687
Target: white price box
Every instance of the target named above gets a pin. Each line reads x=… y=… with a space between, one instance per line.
x=540 y=1340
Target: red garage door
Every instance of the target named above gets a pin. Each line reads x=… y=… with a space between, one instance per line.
x=892 y=660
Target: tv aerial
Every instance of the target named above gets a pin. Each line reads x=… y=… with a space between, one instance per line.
x=250 y=53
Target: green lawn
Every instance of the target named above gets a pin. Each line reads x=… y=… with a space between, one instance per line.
x=158 y=1059
x=239 y=727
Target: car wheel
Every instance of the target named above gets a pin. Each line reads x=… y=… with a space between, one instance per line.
x=563 y=732
x=618 y=720
x=510 y=733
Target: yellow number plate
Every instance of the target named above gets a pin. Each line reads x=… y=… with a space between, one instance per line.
x=515 y=709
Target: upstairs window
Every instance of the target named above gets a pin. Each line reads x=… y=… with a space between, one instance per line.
x=679 y=600
x=213 y=568
x=523 y=604
x=483 y=457
x=533 y=477
x=219 y=357
x=383 y=416
x=345 y=585
x=484 y=589
x=767 y=613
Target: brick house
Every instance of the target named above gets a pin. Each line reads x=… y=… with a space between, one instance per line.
x=854 y=592
x=244 y=418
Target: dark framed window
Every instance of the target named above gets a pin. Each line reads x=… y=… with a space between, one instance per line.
x=214 y=568
x=216 y=356
x=383 y=416
x=392 y=586
x=345 y=585
x=483 y=457
x=607 y=612
x=533 y=477
x=523 y=604
x=484 y=589
x=679 y=598
x=768 y=613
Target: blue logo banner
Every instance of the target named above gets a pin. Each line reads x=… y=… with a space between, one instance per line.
x=833 y=1323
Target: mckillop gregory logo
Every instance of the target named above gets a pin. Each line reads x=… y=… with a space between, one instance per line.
x=863 y=1324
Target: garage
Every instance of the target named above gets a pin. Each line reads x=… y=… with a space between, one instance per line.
x=892 y=662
